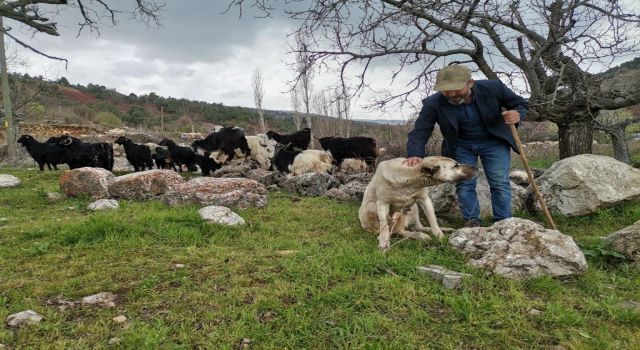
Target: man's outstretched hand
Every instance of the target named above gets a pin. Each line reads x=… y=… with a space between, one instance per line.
x=413 y=161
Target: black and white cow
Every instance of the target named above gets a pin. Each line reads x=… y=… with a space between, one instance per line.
x=224 y=145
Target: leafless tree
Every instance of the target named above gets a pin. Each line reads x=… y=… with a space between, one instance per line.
x=258 y=95
x=343 y=103
x=304 y=74
x=295 y=107
x=614 y=124
x=40 y=15
x=556 y=47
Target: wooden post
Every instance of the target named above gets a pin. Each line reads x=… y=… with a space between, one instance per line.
x=162 y=121
x=11 y=130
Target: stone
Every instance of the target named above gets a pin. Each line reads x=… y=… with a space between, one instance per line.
x=227 y=192
x=518 y=248
x=630 y=305
x=286 y=252
x=262 y=176
x=103 y=204
x=179 y=266
x=534 y=312
x=625 y=241
x=450 y=279
x=24 y=317
x=310 y=184
x=582 y=184
x=102 y=298
x=445 y=200
x=337 y=194
x=7 y=180
x=121 y=164
x=93 y=182
x=220 y=215
x=233 y=170
x=144 y=185
x=114 y=341
x=355 y=189
x=120 y=319
x=54 y=196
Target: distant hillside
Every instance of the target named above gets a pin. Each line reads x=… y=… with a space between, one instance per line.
x=39 y=101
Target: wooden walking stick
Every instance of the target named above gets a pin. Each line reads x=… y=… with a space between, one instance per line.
x=514 y=132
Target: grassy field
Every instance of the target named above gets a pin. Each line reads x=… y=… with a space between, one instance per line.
x=300 y=275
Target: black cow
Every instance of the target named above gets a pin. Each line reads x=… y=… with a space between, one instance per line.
x=228 y=140
x=351 y=147
x=138 y=155
x=284 y=156
x=43 y=153
x=80 y=154
x=299 y=140
x=180 y=155
x=206 y=164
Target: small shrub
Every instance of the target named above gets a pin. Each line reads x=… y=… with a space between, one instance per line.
x=107 y=119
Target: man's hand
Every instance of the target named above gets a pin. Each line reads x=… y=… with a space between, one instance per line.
x=511 y=116
x=413 y=161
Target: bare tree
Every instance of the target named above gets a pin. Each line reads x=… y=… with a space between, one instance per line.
x=38 y=14
x=304 y=72
x=614 y=124
x=258 y=95
x=295 y=107
x=555 y=46
x=343 y=102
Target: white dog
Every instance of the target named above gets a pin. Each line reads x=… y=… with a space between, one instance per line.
x=391 y=200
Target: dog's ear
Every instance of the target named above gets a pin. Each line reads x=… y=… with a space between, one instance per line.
x=431 y=170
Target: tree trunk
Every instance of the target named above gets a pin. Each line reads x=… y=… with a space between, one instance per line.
x=620 y=146
x=575 y=138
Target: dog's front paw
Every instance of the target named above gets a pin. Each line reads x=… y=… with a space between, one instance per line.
x=384 y=246
x=437 y=233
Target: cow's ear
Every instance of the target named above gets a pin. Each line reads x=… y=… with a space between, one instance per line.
x=431 y=170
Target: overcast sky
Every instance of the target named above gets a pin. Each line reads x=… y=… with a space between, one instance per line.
x=198 y=53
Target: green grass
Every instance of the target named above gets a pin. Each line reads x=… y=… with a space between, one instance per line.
x=334 y=290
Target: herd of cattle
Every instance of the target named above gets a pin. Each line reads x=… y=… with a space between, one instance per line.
x=286 y=153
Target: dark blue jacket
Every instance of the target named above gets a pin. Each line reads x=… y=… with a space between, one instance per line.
x=490 y=95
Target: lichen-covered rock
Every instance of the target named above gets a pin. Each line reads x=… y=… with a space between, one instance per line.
x=625 y=241
x=103 y=204
x=144 y=185
x=310 y=184
x=24 y=317
x=445 y=200
x=220 y=215
x=337 y=194
x=519 y=248
x=264 y=177
x=226 y=192
x=7 y=180
x=581 y=184
x=94 y=182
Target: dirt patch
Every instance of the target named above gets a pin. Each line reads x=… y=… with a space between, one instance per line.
x=77 y=95
x=43 y=131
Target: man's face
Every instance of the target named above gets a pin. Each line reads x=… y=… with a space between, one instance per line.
x=458 y=97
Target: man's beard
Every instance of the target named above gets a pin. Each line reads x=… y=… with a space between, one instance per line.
x=459 y=99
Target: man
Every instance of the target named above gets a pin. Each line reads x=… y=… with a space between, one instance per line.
x=473 y=117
